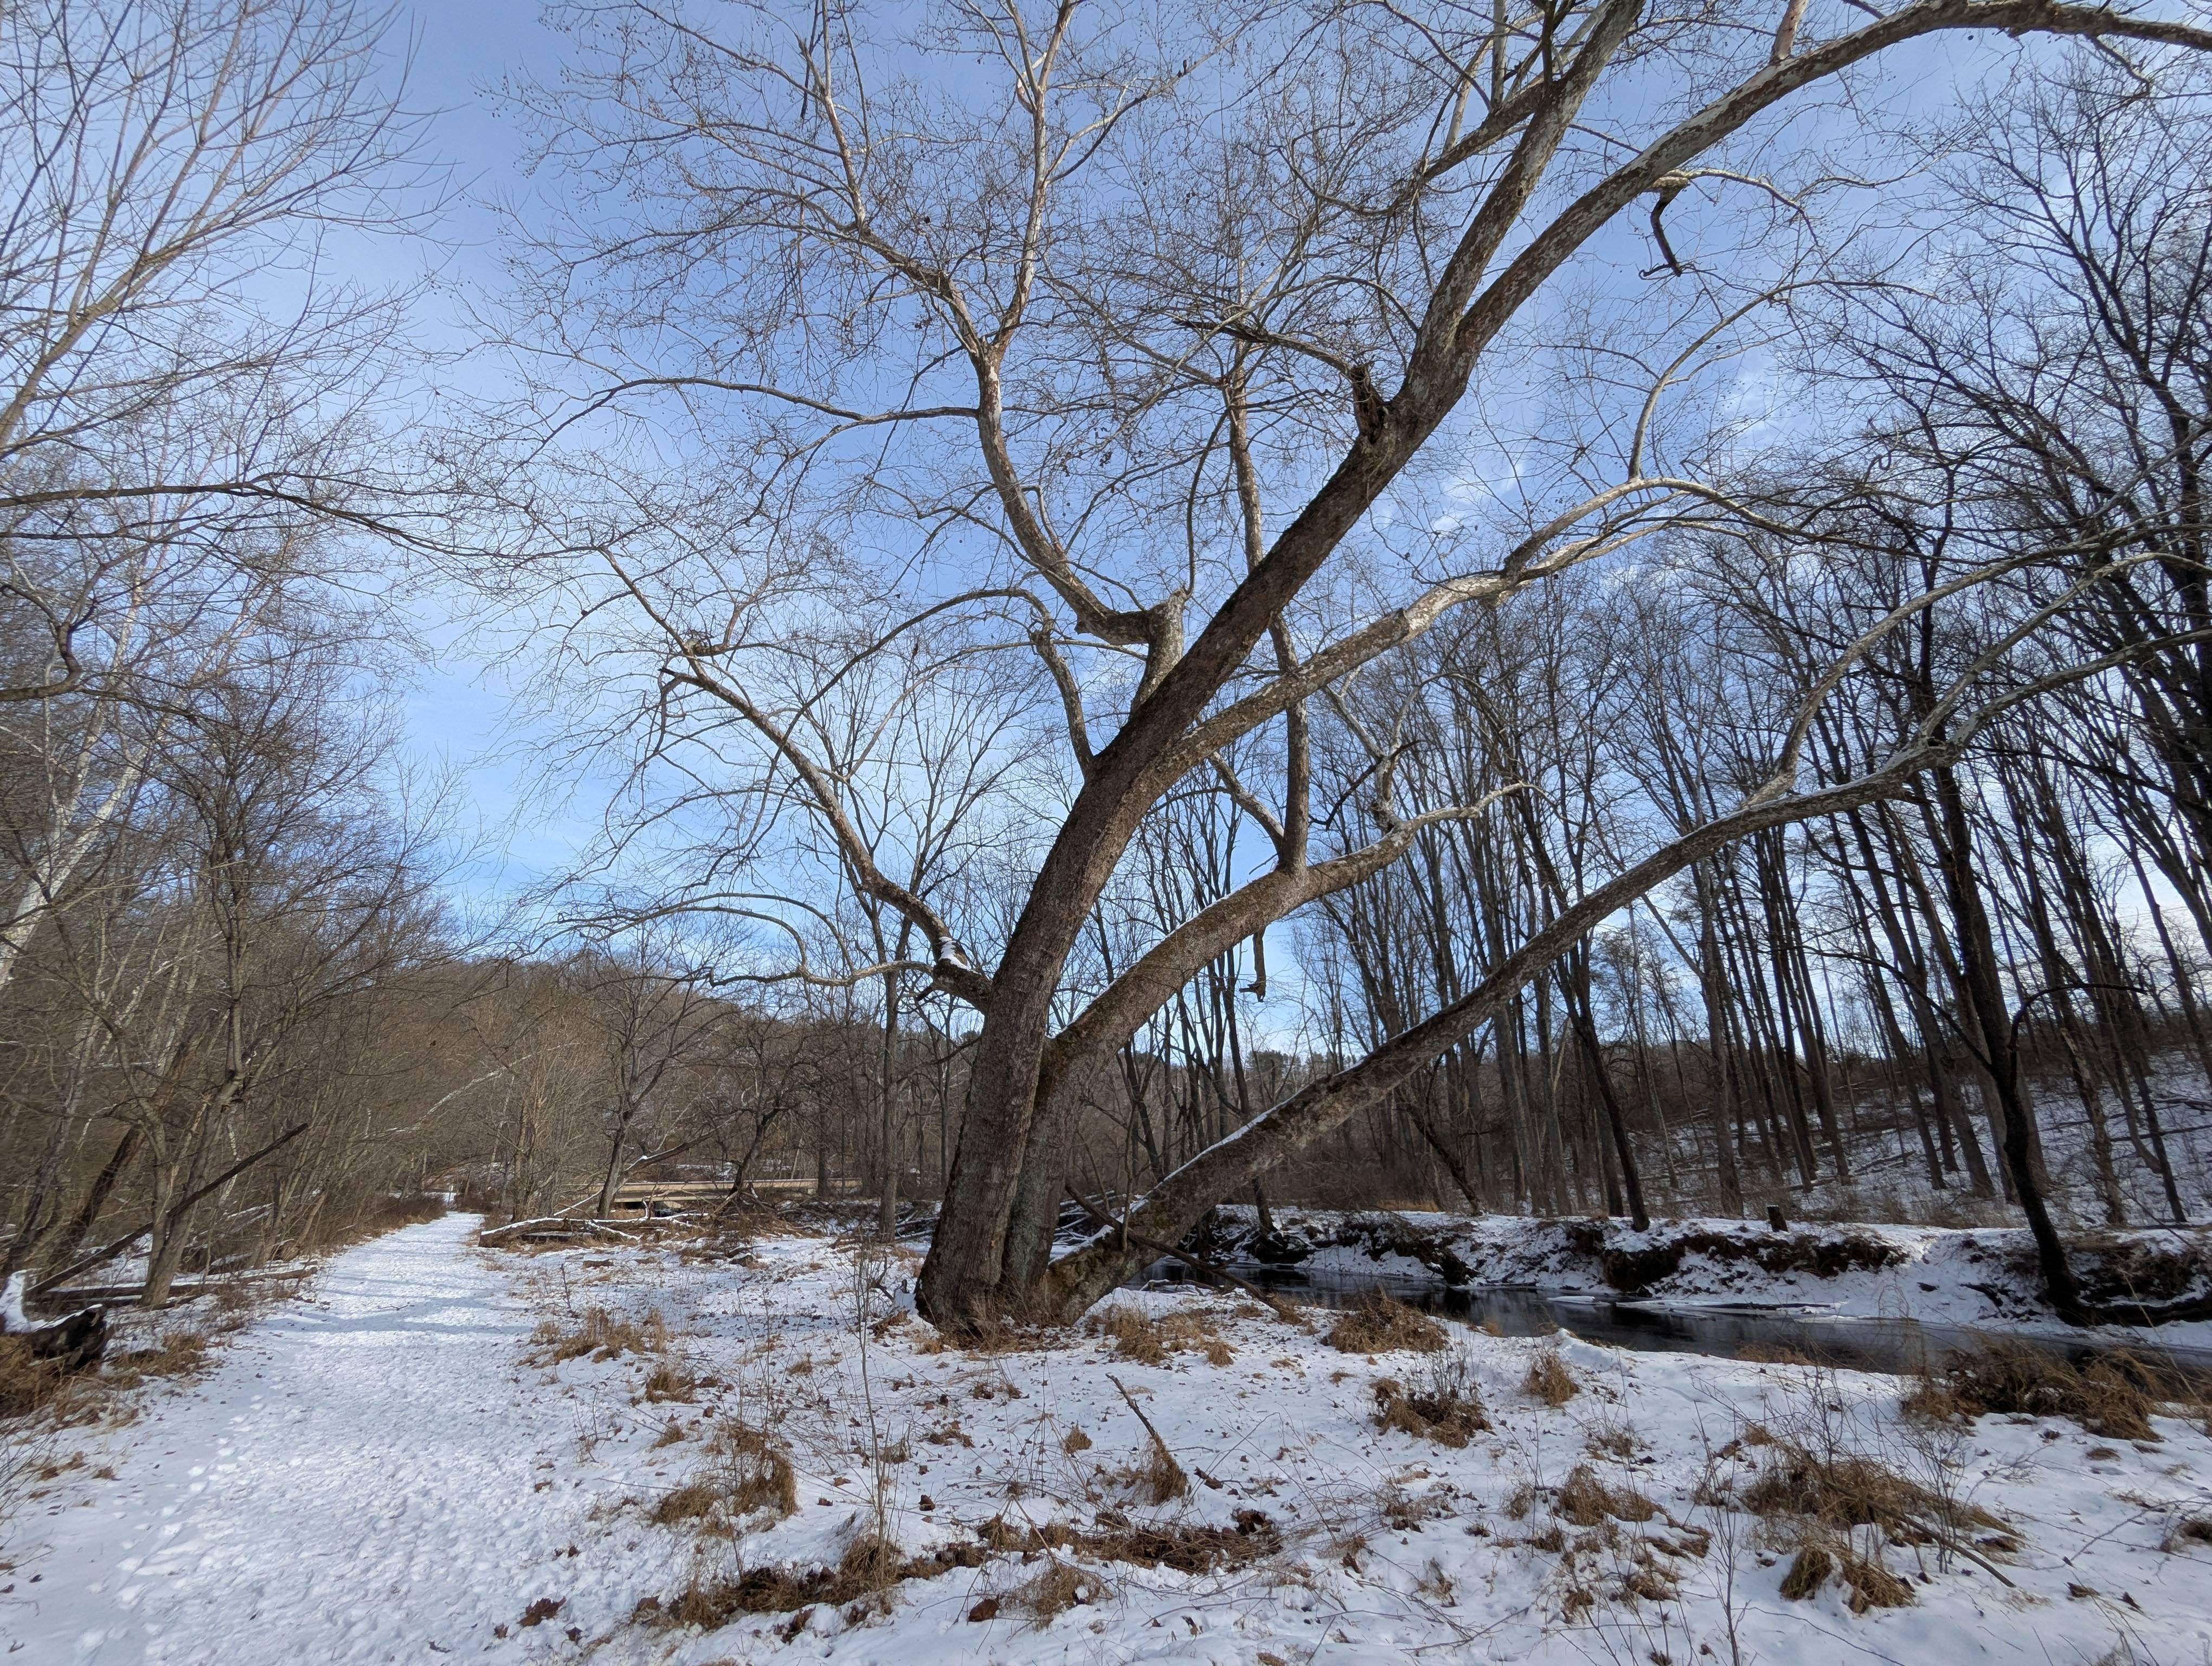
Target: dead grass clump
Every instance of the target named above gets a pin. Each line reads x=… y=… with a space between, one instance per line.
x=1649 y=1584
x=1185 y=1549
x=603 y=1336
x=1870 y=1583
x=1380 y=1325
x=28 y=1383
x=1548 y=1379
x=1404 y=1512
x=869 y=1565
x=1136 y=1335
x=1873 y=1585
x=669 y=1381
x=1610 y=1438
x=2105 y=1396
x=1808 y=1572
x=1443 y=1404
x=176 y=1353
x=993 y=1335
x=1159 y=1478
x=1585 y=1501
x=686 y=1503
x=1852 y=1490
x=1058 y=1587
x=757 y=1472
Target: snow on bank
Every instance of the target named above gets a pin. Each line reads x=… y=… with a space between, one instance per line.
x=396 y=1468
x=1979 y=1276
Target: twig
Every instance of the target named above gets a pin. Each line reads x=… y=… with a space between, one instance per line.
x=1165 y=1489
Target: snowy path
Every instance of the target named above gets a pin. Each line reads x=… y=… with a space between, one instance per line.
x=346 y=1485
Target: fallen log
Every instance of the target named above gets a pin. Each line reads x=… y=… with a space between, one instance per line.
x=73 y=1342
x=554 y=1227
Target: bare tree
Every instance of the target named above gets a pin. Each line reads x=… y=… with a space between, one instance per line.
x=1195 y=446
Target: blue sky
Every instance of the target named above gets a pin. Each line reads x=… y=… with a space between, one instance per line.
x=457 y=715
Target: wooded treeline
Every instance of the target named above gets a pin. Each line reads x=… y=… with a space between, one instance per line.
x=1688 y=735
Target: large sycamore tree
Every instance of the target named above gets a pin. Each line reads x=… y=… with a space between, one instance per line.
x=1196 y=359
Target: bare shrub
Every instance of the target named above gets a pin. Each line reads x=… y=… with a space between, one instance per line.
x=1380 y=1325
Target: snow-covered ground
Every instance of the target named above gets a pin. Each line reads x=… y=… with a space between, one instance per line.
x=351 y=1481
x=393 y=1468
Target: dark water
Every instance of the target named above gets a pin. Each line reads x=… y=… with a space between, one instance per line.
x=1733 y=1332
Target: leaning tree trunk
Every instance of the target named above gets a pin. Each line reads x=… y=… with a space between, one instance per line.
x=1082 y=1278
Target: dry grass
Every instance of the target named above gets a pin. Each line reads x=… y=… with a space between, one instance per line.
x=178 y=1352
x=382 y=1215
x=1380 y=1325
x=1851 y=1490
x=1185 y=1549
x=603 y=1336
x=670 y=1381
x=1158 y=1480
x=993 y=1336
x=1058 y=1587
x=27 y=1385
x=2187 y=1530
x=746 y=1474
x=868 y=1567
x=1583 y=1500
x=1808 y=1572
x=1820 y=1558
x=1136 y=1335
x=688 y=1503
x=757 y=1472
x=2108 y=1396
x=1548 y=1379
x=1441 y=1404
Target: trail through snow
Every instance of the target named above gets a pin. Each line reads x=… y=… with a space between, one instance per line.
x=342 y=1485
